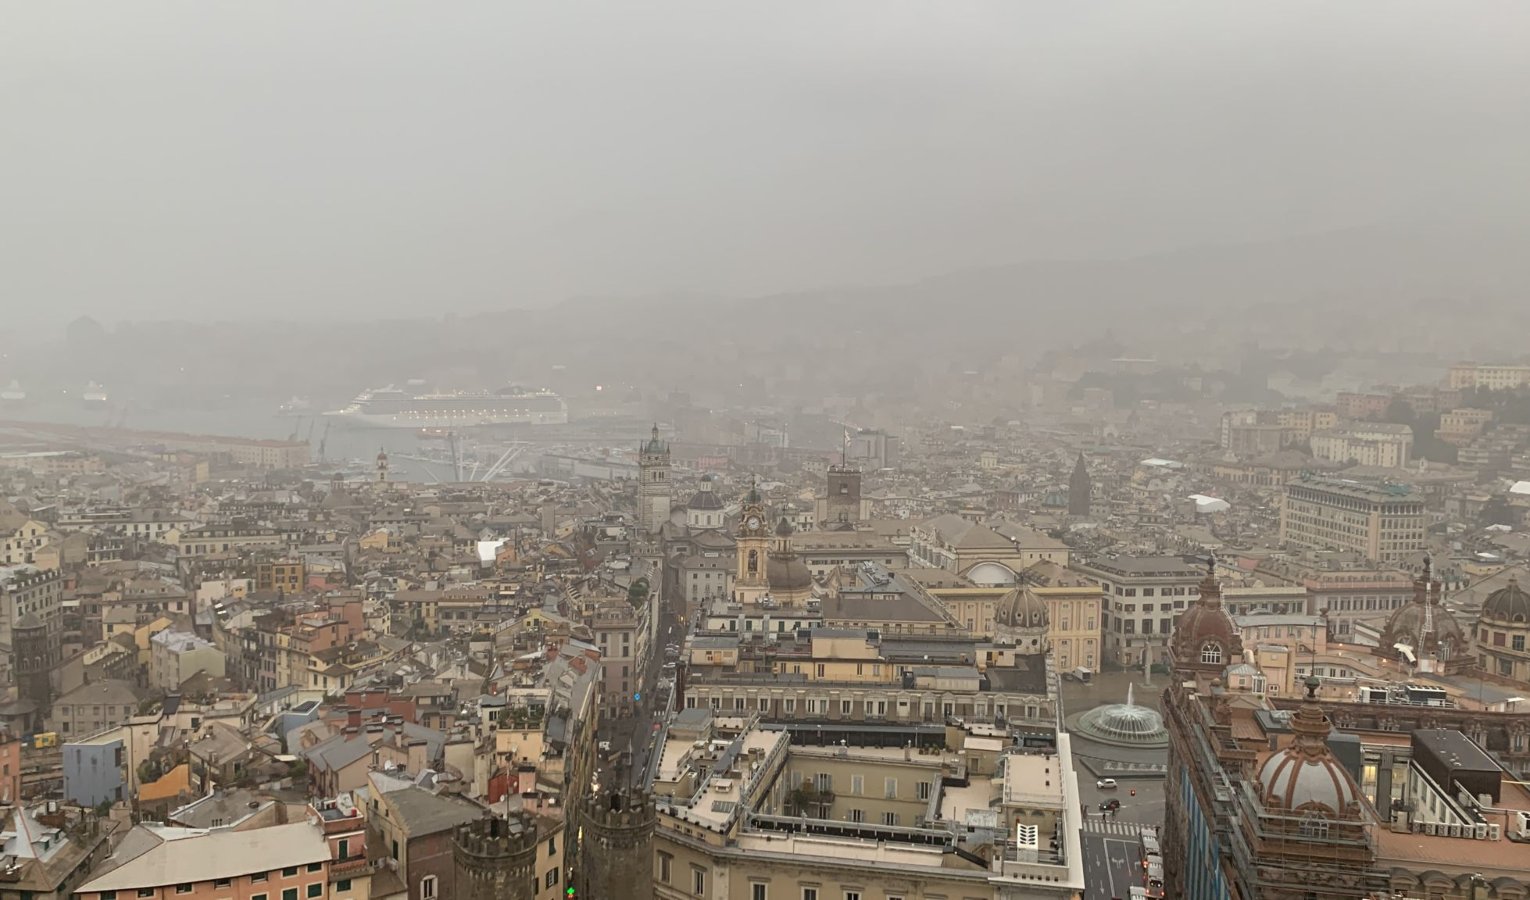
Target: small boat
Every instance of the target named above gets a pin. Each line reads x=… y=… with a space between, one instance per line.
x=13 y=393
x=297 y=406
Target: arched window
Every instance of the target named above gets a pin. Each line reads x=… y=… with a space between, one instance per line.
x=754 y=562
x=1211 y=653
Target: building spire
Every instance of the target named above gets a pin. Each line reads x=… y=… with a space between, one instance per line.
x=1310 y=724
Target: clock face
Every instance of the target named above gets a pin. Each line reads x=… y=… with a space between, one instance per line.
x=754 y=521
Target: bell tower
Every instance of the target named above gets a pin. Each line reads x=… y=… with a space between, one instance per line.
x=654 y=489
x=753 y=544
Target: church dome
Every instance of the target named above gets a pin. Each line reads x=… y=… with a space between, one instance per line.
x=706 y=499
x=1021 y=608
x=1296 y=782
x=1509 y=603
x=783 y=528
x=1205 y=634
x=1305 y=777
x=787 y=574
x=1412 y=622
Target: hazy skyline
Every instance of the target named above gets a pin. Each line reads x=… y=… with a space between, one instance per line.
x=195 y=160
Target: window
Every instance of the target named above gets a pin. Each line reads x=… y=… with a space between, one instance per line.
x=343 y=885
x=316 y=890
x=108 y=895
x=852 y=895
x=810 y=894
x=258 y=877
x=922 y=790
x=222 y=882
x=1518 y=642
x=552 y=846
x=698 y=881
x=315 y=867
x=289 y=871
x=890 y=788
x=552 y=878
x=757 y=892
x=428 y=888
x=889 y=818
x=857 y=816
x=183 y=889
x=1211 y=653
x=145 y=892
x=856 y=784
x=665 y=860
x=289 y=894
x=257 y=897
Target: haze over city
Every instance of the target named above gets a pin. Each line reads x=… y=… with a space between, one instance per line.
x=741 y=451
x=236 y=162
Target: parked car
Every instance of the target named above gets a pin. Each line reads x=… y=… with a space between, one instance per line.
x=1106 y=784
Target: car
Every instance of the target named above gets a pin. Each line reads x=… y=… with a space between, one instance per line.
x=1106 y=784
x=1110 y=805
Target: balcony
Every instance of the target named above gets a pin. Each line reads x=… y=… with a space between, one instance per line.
x=351 y=867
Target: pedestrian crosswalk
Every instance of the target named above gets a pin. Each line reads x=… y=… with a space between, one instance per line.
x=1096 y=825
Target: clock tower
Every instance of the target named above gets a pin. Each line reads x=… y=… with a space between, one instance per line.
x=749 y=580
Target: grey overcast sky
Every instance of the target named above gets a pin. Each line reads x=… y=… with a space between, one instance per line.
x=210 y=159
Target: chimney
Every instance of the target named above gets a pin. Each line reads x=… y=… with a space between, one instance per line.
x=352 y=717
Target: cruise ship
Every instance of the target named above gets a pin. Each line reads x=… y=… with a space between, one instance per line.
x=13 y=393
x=93 y=395
x=391 y=407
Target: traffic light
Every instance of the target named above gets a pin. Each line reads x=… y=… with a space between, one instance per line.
x=570 y=891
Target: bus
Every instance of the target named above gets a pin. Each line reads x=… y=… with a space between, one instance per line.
x=1154 y=880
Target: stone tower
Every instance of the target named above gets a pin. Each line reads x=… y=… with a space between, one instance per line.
x=495 y=859
x=653 y=469
x=842 y=507
x=382 y=466
x=616 y=850
x=1080 y=489
x=35 y=658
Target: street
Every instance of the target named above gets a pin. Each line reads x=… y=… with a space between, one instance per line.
x=1111 y=865
x=636 y=734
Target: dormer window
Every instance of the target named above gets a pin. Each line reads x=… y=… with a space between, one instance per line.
x=1211 y=653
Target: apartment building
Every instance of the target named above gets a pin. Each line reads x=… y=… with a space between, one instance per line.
x=855 y=675
x=175 y=656
x=27 y=592
x=1140 y=597
x=622 y=632
x=283 y=575
x=763 y=813
x=1384 y=523
x=279 y=862
x=1471 y=375
x=1380 y=444
x=206 y=540
x=94 y=707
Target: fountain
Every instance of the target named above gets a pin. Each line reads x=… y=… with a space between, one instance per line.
x=1123 y=724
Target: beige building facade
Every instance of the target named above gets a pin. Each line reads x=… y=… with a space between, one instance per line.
x=1381 y=523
